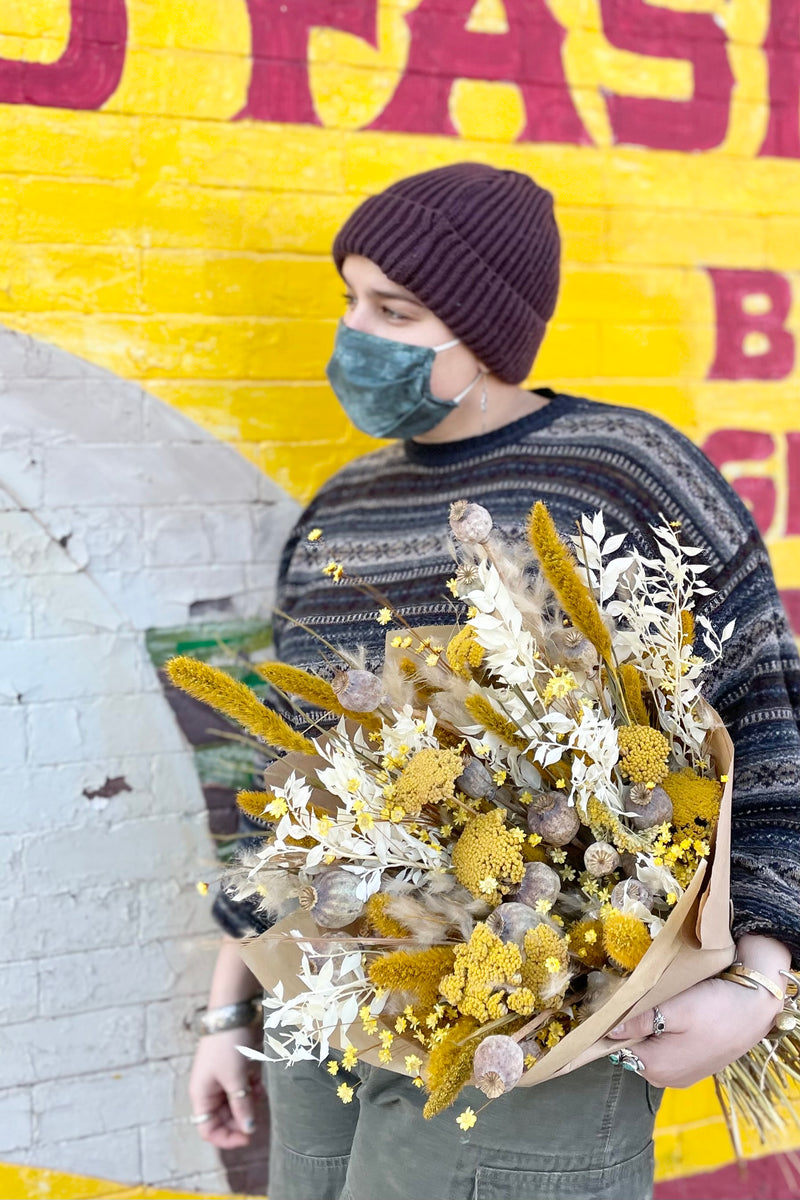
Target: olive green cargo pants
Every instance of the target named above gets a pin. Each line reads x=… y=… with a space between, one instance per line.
x=586 y=1136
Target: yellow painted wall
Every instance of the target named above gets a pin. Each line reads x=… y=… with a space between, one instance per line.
x=186 y=250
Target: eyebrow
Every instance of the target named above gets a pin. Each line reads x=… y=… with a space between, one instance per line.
x=384 y=295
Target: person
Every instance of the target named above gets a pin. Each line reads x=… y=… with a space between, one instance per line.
x=451 y=277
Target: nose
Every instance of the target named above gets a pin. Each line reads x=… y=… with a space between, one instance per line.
x=358 y=317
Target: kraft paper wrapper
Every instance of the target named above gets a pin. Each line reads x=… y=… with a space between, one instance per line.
x=694 y=944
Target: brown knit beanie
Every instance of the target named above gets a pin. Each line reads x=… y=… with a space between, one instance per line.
x=478 y=246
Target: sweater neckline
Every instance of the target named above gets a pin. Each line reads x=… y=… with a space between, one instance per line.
x=440 y=453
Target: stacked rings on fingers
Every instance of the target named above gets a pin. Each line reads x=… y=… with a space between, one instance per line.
x=200 y=1118
x=242 y=1092
x=628 y=1060
x=659 y=1024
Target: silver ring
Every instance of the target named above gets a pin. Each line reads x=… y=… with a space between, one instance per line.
x=242 y=1092
x=659 y=1024
x=628 y=1060
x=200 y=1118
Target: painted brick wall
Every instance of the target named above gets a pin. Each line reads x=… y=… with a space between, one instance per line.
x=171 y=177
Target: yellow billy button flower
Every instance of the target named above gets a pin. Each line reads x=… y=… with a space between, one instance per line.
x=314 y=535
x=384 y=616
x=466 y=1119
x=345 y=1093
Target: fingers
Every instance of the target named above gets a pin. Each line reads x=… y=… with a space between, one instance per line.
x=243 y=1109
x=639 y=1027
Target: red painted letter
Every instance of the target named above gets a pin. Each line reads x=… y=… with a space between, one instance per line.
x=782 y=48
x=443 y=50
x=731 y=289
x=743 y=445
x=88 y=71
x=697 y=124
x=792 y=484
x=279 y=88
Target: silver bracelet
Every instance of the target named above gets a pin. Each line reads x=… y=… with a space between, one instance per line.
x=228 y=1016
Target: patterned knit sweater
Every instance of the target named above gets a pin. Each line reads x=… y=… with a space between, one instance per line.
x=385 y=517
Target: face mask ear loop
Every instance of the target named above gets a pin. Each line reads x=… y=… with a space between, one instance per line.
x=465 y=391
x=484 y=403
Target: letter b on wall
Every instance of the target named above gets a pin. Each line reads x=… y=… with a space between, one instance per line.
x=752 y=340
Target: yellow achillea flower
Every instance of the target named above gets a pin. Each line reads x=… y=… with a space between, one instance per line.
x=236 y=700
x=419 y=972
x=631 y=680
x=464 y=652
x=626 y=939
x=381 y=920
x=586 y=942
x=695 y=802
x=643 y=753
x=560 y=570
x=487 y=849
x=687 y=627
x=486 y=975
x=466 y=1119
x=493 y=721
x=428 y=778
x=545 y=969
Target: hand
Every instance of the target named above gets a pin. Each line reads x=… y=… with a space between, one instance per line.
x=219 y=1074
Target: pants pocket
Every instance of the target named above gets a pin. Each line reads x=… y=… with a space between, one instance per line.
x=296 y=1176
x=629 y=1180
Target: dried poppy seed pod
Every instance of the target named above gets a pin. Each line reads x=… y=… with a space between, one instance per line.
x=331 y=899
x=511 y=921
x=540 y=882
x=553 y=818
x=498 y=1065
x=470 y=522
x=600 y=859
x=360 y=691
x=476 y=780
x=631 y=890
x=648 y=806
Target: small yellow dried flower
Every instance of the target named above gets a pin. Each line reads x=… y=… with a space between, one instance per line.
x=345 y=1093
x=413 y=1064
x=202 y=887
x=333 y=1067
x=314 y=535
x=349 y=1057
x=384 y=616
x=466 y=1119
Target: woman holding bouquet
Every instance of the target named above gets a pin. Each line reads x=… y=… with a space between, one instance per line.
x=451 y=277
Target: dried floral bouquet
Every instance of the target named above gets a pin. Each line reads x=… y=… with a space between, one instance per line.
x=498 y=829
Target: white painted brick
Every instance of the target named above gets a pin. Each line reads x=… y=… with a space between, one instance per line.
x=163 y=423
x=272 y=524
x=26 y=548
x=60 y=1047
x=113 y=1158
x=163 y=595
x=84 y=410
x=16 y=1120
x=230 y=531
x=66 y=668
x=26 y=357
x=173 y=1149
x=175 y=786
x=43 y=925
x=13 y=735
x=166 y=1032
x=54 y=795
x=103 y=1103
x=168 y=908
x=153 y=849
x=138 y=974
x=62 y=605
x=110 y=726
x=107 y=535
x=19 y=992
x=10 y=856
x=178 y=473
x=22 y=473
x=16 y=620
x=176 y=536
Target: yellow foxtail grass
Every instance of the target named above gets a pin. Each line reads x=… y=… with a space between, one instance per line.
x=493 y=721
x=695 y=802
x=453 y=1080
x=381 y=920
x=254 y=803
x=464 y=652
x=446 y=1053
x=236 y=700
x=687 y=627
x=410 y=671
x=631 y=680
x=560 y=570
x=586 y=942
x=419 y=972
x=312 y=689
x=626 y=939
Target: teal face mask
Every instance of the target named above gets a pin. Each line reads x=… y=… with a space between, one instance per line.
x=384 y=386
